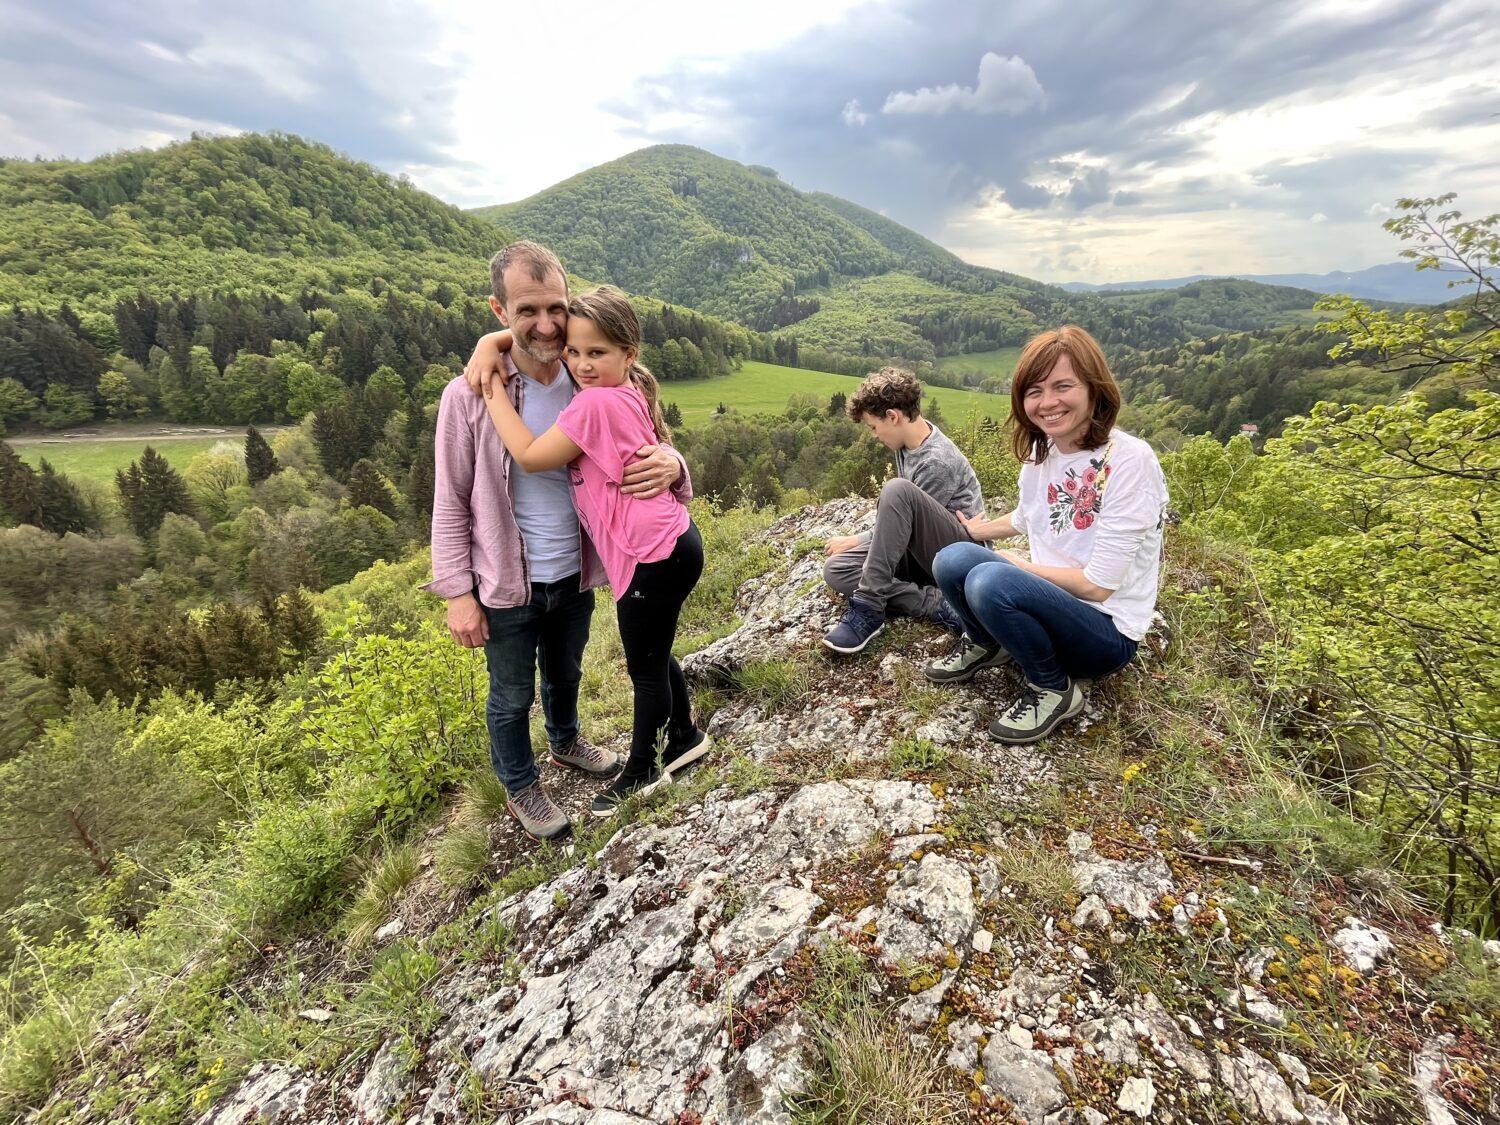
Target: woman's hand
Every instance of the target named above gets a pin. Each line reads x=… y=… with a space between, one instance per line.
x=487 y=364
x=979 y=529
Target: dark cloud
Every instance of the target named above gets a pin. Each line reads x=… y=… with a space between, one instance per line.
x=79 y=78
x=1117 y=81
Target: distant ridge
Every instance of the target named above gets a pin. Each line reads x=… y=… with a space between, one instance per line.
x=1396 y=281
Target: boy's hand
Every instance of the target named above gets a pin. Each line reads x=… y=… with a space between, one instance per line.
x=656 y=471
x=839 y=544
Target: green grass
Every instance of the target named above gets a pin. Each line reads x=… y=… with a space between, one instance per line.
x=765 y=387
x=1001 y=363
x=98 y=460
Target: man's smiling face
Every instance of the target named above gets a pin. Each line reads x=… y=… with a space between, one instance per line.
x=537 y=312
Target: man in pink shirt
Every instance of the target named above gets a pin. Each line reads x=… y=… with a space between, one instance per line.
x=507 y=551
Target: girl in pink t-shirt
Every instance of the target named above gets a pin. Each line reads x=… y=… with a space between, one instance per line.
x=651 y=550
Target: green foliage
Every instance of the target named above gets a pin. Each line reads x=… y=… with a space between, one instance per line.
x=149 y=489
x=916 y=755
x=260 y=461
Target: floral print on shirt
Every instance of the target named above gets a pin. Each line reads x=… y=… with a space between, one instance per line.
x=1077 y=498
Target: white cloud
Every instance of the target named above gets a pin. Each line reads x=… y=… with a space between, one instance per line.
x=1006 y=85
x=1318 y=217
x=854 y=116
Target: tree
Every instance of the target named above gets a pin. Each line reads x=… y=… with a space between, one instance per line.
x=63 y=407
x=260 y=461
x=19 y=503
x=61 y=506
x=384 y=393
x=16 y=402
x=309 y=389
x=120 y=397
x=672 y=415
x=210 y=477
x=149 y=489
x=369 y=489
x=837 y=404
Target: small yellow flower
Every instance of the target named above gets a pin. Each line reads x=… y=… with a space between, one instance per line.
x=1133 y=769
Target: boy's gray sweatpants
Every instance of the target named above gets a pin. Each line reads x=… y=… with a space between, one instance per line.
x=894 y=569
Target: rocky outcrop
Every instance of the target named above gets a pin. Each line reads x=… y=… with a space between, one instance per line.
x=667 y=979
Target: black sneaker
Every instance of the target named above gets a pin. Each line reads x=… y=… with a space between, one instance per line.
x=965 y=662
x=680 y=759
x=857 y=628
x=945 y=616
x=1036 y=713
x=621 y=789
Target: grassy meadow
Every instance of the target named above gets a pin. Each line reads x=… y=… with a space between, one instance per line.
x=998 y=363
x=85 y=457
x=765 y=387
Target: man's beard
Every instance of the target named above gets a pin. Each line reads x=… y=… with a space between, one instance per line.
x=547 y=351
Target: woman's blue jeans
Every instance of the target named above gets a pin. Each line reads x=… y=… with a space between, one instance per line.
x=1052 y=635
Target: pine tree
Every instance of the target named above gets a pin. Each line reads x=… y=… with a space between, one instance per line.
x=260 y=460
x=837 y=403
x=672 y=416
x=149 y=489
x=297 y=626
x=367 y=488
x=19 y=502
x=60 y=504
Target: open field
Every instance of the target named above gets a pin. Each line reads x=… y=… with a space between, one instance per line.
x=94 y=453
x=1000 y=363
x=765 y=387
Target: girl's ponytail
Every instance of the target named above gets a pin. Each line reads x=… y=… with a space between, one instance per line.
x=645 y=382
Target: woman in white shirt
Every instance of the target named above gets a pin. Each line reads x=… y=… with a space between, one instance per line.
x=1092 y=502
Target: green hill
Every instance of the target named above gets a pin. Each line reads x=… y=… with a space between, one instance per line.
x=245 y=212
x=696 y=229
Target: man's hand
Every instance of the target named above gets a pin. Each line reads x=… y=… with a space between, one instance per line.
x=467 y=621
x=656 y=471
x=485 y=366
x=839 y=544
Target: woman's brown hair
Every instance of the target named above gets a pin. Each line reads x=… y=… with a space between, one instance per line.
x=610 y=310
x=1037 y=359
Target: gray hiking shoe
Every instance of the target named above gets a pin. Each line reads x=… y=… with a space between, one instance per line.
x=583 y=755
x=541 y=819
x=965 y=662
x=1036 y=713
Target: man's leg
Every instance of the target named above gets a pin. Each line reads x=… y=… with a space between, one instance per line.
x=843 y=570
x=910 y=529
x=510 y=654
x=564 y=633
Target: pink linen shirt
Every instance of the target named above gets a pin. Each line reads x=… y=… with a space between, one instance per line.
x=476 y=541
x=609 y=424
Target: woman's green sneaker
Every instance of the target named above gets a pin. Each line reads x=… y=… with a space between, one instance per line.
x=965 y=662
x=1036 y=713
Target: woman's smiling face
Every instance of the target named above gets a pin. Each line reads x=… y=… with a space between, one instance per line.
x=593 y=358
x=1058 y=404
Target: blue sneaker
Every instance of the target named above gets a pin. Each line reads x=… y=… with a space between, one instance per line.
x=859 y=625
x=943 y=615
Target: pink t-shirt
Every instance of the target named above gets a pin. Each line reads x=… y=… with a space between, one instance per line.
x=609 y=424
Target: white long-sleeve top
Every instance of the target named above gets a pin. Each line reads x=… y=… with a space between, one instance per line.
x=1101 y=510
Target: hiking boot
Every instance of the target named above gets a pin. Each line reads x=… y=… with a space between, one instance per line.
x=541 y=819
x=859 y=625
x=622 y=788
x=584 y=756
x=680 y=759
x=1036 y=713
x=966 y=661
x=944 y=615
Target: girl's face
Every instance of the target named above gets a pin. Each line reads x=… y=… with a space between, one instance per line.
x=1058 y=405
x=594 y=360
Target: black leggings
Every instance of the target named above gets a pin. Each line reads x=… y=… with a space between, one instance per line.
x=648 y=623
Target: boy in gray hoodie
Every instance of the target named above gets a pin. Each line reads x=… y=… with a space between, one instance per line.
x=889 y=570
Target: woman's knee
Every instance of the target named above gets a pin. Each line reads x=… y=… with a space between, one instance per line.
x=953 y=562
x=995 y=583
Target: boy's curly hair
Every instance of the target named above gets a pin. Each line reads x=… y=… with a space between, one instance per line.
x=890 y=388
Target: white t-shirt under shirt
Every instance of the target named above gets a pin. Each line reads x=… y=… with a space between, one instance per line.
x=543 y=502
x=1101 y=510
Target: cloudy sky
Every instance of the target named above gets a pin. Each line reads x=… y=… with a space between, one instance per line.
x=1097 y=140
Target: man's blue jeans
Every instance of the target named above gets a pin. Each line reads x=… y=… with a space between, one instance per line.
x=1051 y=634
x=549 y=634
